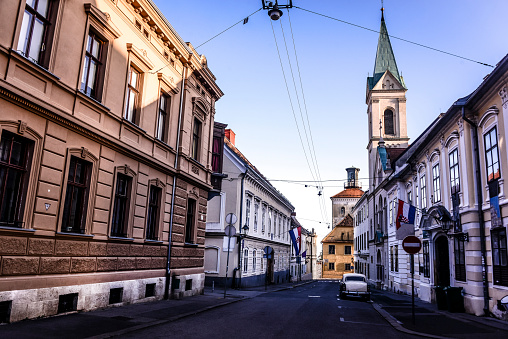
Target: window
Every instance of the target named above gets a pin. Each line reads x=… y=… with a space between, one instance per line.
x=388 y=117
x=191 y=218
x=152 y=218
x=454 y=171
x=254 y=261
x=15 y=158
x=347 y=249
x=121 y=206
x=491 y=154
x=423 y=189
x=37 y=30
x=247 y=211
x=331 y=249
x=460 y=260
x=245 y=260
x=391 y=259
x=92 y=67
x=331 y=266
x=162 y=119
x=132 y=95
x=436 y=184
x=347 y=267
x=426 y=260
x=342 y=211
x=280 y=227
x=275 y=230
x=396 y=255
x=269 y=222
x=196 y=135
x=410 y=197
x=256 y=208
x=217 y=154
x=499 y=256
x=263 y=217
x=76 y=196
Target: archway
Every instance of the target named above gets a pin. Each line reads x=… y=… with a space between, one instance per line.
x=379 y=267
x=442 y=262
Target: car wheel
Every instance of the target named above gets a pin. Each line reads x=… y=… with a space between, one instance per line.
x=342 y=295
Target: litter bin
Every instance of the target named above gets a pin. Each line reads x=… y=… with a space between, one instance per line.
x=440 y=297
x=454 y=299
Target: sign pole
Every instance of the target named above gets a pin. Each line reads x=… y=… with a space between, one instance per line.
x=413 y=287
x=230 y=231
x=227 y=267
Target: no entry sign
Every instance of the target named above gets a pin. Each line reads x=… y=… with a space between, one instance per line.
x=411 y=244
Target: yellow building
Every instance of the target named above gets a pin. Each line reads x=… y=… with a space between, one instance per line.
x=338 y=250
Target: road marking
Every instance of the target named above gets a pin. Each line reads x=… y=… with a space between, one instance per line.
x=339 y=306
x=314 y=296
x=342 y=319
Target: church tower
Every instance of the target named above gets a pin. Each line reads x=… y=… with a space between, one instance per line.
x=386 y=101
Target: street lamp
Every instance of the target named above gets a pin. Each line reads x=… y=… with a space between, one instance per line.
x=274 y=11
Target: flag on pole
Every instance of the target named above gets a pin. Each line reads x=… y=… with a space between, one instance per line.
x=295 y=235
x=304 y=254
x=405 y=220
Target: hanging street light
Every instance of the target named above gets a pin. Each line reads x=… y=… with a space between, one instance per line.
x=274 y=11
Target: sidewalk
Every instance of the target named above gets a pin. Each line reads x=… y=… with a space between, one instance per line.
x=115 y=321
x=433 y=323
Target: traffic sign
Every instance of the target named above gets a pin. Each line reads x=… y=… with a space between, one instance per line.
x=268 y=250
x=411 y=244
x=231 y=219
x=230 y=231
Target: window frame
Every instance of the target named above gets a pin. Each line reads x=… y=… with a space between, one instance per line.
x=119 y=225
x=85 y=194
x=127 y=172
x=131 y=113
x=490 y=150
x=245 y=260
x=392 y=124
x=454 y=168
x=23 y=183
x=331 y=266
x=459 y=259
x=436 y=183
x=331 y=249
x=190 y=221
x=499 y=255
x=196 y=139
x=162 y=127
x=423 y=191
x=154 y=211
x=347 y=249
x=98 y=79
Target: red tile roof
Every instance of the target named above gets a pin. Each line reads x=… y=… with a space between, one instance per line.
x=349 y=193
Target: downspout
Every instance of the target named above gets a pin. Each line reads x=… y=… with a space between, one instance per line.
x=171 y=213
x=481 y=220
x=240 y=232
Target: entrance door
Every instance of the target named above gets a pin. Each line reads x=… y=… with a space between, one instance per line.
x=269 y=270
x=442 y=269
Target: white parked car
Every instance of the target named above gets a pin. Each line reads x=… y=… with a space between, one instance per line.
x=354 y=284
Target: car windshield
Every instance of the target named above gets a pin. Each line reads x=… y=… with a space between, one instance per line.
x=355 y=279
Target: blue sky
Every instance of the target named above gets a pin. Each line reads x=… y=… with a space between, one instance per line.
x=334 y=61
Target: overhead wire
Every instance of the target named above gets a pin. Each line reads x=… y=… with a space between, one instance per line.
x=394 y=37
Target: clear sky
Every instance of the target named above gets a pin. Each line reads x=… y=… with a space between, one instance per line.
x=334 y=62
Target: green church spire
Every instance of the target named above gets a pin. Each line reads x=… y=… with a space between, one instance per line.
x=385 y=59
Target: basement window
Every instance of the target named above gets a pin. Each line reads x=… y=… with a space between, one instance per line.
x=149 y=290
x=5 y=311
x=115 y=295
x=188 y=285
x=68 y=303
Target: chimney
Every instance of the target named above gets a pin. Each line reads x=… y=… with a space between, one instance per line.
x=231 y=136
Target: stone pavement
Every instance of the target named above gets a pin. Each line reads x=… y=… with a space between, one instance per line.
x=433 y=323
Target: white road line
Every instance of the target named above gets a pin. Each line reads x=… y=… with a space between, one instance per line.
x=339 y=306
x=314 y=296
x=342 y=319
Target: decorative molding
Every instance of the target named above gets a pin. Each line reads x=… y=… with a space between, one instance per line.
x=22 y=127
x=200 y=106
x=168 y=81
x=84 y=152
x=141 y=54
x=460 y=123
x=503 y=93
x=194 y=192
x=492 y=111
x=104 y=19
x=195 y=169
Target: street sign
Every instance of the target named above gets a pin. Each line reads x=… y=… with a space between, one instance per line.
x=268 y=249
x=231 y=219
x=230 y=231
x=411 y=244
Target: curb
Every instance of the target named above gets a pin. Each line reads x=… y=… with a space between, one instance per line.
x=396 y=325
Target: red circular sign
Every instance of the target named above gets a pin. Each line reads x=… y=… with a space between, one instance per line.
x=411 y=244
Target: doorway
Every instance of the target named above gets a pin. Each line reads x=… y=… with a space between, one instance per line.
x=442 y=267
x=269 y=269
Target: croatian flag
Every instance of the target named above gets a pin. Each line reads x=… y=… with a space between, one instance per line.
x=295 y=235
x=304 y=254
x=405 y=220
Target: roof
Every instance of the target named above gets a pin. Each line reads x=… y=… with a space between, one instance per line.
x=385 y=59
x=352 y=192
x=339 y=234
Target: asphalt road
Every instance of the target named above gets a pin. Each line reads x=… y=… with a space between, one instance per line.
x=309 y=311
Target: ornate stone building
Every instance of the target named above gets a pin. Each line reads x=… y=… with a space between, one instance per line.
x=106 y=122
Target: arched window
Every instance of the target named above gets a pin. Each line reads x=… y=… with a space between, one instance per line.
x=254 y=260
x=342 y=211
x=389 y=122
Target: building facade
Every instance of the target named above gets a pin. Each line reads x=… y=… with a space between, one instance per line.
x=106 y=122
x=453 y=174
x=338 y=250
x=263 y=220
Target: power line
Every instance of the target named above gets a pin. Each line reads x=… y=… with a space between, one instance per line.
x=394 y=37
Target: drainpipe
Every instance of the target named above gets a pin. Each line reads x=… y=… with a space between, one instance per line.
x=180 y=113
x=479 y=197
x=240 y=232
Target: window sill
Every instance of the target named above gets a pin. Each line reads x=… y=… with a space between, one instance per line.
x=148 y=241
x=73 y=235
x=164 y=144
x=93 y=101
x=32 y=64
x=16 y=229
x=188 y=244
x=120 y=238
x=197 y=163
x=133 y=125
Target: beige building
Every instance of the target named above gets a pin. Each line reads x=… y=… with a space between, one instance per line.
x=338 y=250
x=106 y=120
